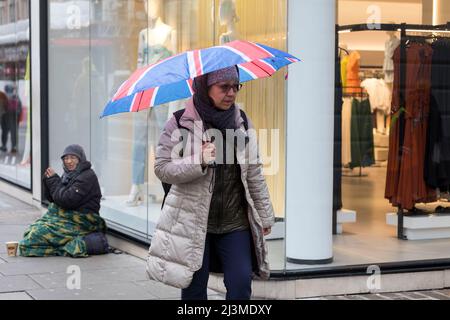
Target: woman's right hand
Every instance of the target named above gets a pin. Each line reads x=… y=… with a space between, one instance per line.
x=49 y=173
x=208 y=154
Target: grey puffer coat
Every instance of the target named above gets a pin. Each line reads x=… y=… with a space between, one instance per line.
x=178 y=243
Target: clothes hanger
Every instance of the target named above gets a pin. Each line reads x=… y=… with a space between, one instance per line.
x=346 y=51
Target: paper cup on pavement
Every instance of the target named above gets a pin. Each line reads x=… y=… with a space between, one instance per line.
x=12 y=248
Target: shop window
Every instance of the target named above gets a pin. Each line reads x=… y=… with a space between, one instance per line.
x=15 y=157
x=102 y=43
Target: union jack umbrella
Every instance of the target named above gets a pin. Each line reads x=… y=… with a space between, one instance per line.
x=172 y=78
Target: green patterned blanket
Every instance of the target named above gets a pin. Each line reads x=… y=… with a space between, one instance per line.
x=60 y=233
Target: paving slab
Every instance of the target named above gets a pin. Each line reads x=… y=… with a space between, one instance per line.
x=116 y=291
x=25 y=268
x=412 y=296
x=445 y=291
x=38 y=260
x=61 y=264
x=160 y=290
x=15 y=296
x=17 y=283
x=11 y=232
x=437 y=295
x=376 y=297
x=91 y=277
x=22 y=216
x=357 y=297
x=166 y=292
x=10 y=203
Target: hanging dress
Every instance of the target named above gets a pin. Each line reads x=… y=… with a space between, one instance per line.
x=353 y=80
x=405 y=183
x=437 y=162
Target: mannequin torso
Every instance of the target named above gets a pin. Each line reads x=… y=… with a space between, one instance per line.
x=230 y=35
x=156 y=43
x=388 y=67
x=228 y=17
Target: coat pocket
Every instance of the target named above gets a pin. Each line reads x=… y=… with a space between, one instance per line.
x=174 y=205
x=170 y=212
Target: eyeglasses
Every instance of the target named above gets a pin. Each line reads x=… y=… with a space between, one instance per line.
x=226 y=87
x=70 y=158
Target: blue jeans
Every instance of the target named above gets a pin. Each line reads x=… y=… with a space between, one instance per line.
x=235 y=252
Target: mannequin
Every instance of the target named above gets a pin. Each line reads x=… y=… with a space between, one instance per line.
x=388 y=67
x=156 y=43
x=229 y=18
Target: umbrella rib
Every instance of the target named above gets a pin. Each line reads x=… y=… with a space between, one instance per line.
x=262 y=69
x=141 y=95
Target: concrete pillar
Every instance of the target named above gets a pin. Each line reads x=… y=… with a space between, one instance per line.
x=310 y=121
x=35 y=36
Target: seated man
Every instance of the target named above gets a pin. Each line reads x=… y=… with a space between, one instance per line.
x=72 y=226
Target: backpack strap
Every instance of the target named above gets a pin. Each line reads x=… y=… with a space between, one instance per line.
x=178 y=116
x=167 y=186
x=244 y=116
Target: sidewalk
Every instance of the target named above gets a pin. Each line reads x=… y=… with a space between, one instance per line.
x=108 y=277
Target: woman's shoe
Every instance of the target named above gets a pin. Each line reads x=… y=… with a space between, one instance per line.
x=136 y=196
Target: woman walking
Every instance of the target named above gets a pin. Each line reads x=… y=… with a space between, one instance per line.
x=215 y=217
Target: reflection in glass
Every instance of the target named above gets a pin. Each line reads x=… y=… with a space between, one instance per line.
x=15 y=92
x=124 y=146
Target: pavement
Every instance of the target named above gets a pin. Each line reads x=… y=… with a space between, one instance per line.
x=410 y=295
x=106 y=277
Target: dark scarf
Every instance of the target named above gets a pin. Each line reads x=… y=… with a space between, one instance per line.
x=69 y=176
x=212 y=116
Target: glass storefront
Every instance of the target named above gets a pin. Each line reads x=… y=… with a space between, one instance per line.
x=388 y=122
x=95 y=45
x=15 y=148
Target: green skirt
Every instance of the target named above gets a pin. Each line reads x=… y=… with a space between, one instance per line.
x=60 y=233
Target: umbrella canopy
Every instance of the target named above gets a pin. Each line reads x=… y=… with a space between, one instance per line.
x=171 y=79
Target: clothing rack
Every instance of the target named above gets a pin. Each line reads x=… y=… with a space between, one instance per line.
x=359 y=94
x=368 y=72
x=403 y=43
x=371 y=67
x=403 y=28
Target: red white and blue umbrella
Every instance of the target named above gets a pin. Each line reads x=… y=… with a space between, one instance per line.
x=171 y=79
